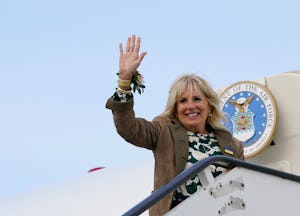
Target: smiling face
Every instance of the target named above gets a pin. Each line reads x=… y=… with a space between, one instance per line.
x=192 y=109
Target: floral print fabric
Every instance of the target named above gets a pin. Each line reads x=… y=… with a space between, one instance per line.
x=200 y=146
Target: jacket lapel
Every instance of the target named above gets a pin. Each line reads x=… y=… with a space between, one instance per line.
x=180 y=144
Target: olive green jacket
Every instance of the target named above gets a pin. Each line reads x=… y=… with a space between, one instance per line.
x=168 y=141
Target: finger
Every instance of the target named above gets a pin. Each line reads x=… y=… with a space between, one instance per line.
x=132 y=45
x=121 y=49
x=137 y=47
x=128 y=44
x=141 y=57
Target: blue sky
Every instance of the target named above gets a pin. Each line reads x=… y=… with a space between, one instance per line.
x=58 y=65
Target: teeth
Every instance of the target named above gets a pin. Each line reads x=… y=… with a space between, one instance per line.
x=192 y=114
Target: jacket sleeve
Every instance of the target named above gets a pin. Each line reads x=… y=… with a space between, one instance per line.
x=137 y=131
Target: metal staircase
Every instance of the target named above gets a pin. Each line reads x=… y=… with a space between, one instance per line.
x=247 y=189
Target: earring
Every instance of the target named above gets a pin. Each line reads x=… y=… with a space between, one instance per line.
x=209 y=114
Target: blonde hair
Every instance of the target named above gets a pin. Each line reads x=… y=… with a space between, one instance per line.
x=193 y=81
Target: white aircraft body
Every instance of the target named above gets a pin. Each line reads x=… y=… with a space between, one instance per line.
x=272 y=188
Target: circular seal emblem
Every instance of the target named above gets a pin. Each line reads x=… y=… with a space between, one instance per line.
x=251 y=115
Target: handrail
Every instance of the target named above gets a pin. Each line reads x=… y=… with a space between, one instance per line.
x=187 y=174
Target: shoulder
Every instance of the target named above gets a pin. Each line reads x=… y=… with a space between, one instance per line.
x=167 y=121
x=223 y=133
x=226 y=139
x=162 y=120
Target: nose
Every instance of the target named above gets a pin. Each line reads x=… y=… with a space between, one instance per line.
x=190 y=105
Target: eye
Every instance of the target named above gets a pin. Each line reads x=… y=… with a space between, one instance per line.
x=197 y=98
x=182 y=100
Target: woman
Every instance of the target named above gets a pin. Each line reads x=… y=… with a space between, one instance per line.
x=187 y=131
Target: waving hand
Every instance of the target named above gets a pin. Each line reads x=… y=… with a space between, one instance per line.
x=130 y=59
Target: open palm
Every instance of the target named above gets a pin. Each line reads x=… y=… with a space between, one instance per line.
x=130 y=59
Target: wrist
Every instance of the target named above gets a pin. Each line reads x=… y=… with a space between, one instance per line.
x=125 y=75
x=135 y=82
x=124 y=83
x=124 y=90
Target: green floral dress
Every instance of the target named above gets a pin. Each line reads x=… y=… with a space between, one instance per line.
x=200 y=146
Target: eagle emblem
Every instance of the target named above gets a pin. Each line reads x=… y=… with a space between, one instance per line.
x=251 y=115
x=243 y=119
